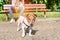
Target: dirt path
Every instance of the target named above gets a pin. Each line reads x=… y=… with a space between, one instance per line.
x=44 y=29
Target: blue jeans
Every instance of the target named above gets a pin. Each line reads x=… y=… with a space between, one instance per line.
x=22 y=8
x=10 y=11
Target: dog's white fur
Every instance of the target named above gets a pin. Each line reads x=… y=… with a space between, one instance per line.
x=20 y=23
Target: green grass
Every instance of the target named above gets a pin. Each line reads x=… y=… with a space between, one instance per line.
x=2 y=17
x=48 y=14
x=53 y=14
x=39 y=15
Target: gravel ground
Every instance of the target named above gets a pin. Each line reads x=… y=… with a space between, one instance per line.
x=44 y=29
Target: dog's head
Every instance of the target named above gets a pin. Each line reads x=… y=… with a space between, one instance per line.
x=31 y=18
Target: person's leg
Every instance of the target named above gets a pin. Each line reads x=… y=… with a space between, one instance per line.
x=11 y=14
x=22 y=8
x=10 y=11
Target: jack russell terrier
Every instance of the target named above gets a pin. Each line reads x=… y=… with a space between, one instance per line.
x=26 y=22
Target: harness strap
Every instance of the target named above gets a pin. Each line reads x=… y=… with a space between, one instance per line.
x=26 y=24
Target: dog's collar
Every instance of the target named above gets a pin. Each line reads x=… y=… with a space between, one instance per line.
x=26 y=24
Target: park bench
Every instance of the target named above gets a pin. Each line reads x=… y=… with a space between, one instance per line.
x=33 y=7
x=28 y=8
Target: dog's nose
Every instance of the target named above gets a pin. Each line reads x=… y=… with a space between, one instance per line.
x=31 y=25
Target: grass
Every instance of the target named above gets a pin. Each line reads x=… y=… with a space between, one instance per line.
x=2 y=17
x=51 y=15
x=39 y=15
x=48 y=14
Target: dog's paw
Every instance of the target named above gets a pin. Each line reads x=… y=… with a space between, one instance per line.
x=17 y=30
x=30 y=35
x=23 y=35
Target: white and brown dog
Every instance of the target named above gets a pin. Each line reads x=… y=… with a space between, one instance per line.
x=26 y=22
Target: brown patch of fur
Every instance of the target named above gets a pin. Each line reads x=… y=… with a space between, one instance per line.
x=31 y=18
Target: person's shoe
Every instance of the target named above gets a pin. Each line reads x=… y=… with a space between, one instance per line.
x=12 y=21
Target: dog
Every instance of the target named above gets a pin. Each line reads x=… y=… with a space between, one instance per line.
x=26 y=22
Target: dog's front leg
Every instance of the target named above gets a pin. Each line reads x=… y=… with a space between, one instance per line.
x=18 y=24
x=23 y=31
x=30 y=31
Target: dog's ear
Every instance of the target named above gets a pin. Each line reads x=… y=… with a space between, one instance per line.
x=27 y=15
x=35 y=15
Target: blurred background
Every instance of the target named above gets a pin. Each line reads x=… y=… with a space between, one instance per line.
x=53 y=5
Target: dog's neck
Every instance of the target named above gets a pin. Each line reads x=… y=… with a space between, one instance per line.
x=26 y=22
